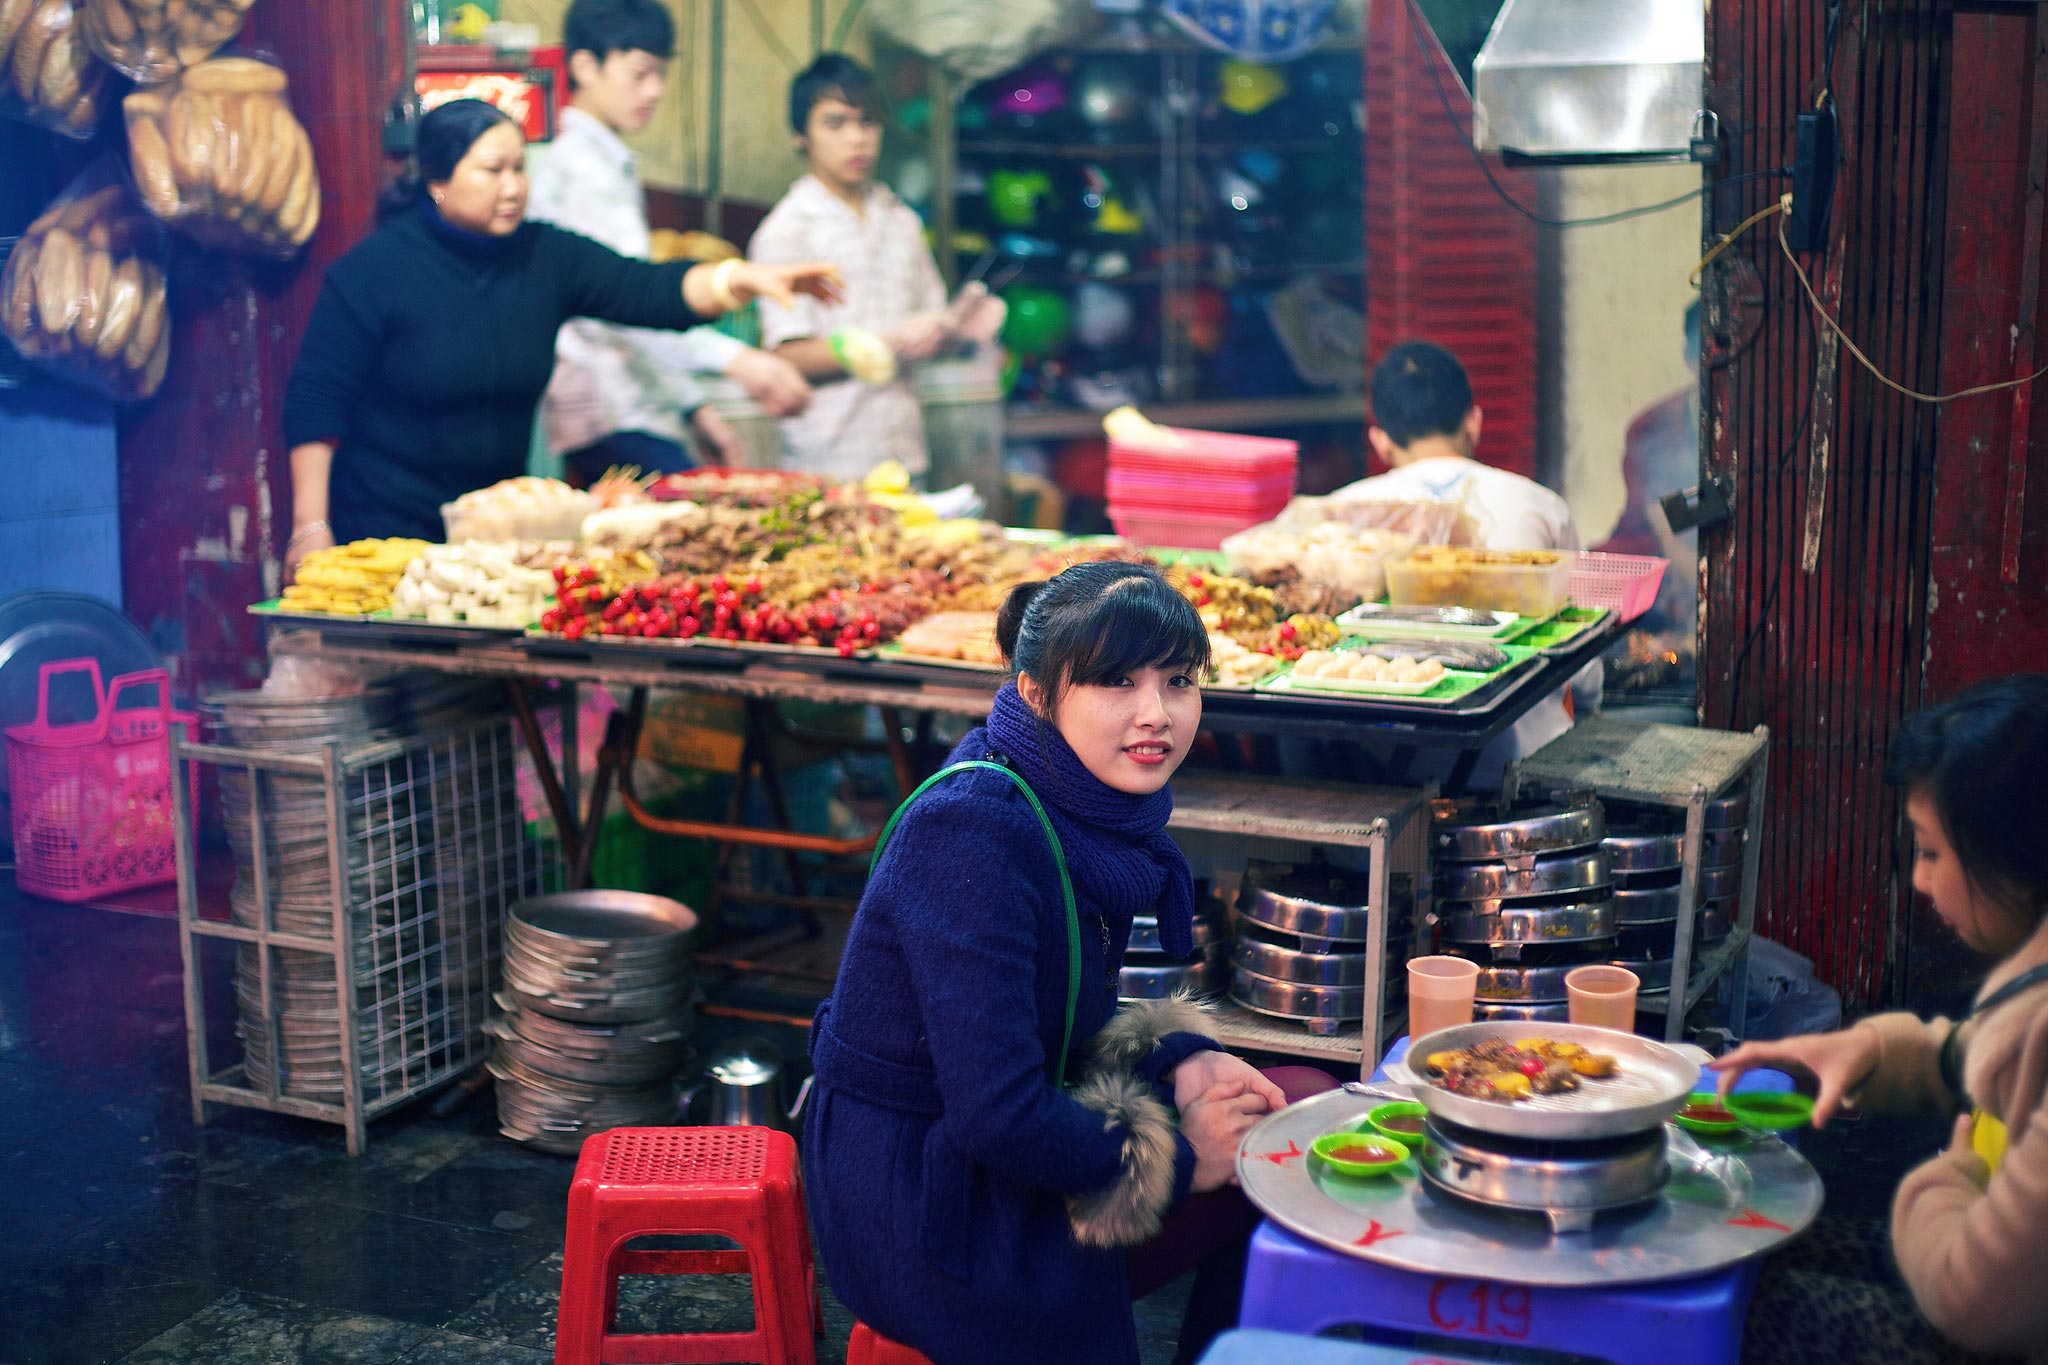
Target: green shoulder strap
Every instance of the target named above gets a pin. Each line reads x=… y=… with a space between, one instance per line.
x=1059 y=858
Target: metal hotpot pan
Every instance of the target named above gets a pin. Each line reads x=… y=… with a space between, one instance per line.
x=1650 y=1083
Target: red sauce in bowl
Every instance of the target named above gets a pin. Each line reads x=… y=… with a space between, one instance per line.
x=1402 y=1123
x=1709 y=1113
x=1367 y=1153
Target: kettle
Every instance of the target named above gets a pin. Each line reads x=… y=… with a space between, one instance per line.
x=742 y=1085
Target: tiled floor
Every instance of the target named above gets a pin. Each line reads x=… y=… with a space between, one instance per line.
x=128 y=1234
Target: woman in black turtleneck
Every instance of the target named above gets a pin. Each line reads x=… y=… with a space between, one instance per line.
x=433 y=339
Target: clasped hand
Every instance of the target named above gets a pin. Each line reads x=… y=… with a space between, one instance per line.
x=1220 y=1097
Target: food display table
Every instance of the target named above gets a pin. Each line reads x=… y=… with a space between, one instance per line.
x=1380 y=826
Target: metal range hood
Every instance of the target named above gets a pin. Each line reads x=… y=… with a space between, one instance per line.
x=1591 y=80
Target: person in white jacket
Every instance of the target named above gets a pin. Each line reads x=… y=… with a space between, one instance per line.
x=624 y=395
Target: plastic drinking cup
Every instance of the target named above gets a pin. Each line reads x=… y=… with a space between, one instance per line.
x=1603 y=996
x=1440 y=991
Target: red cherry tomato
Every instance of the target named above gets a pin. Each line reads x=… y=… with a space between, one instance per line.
x=1532 y=1068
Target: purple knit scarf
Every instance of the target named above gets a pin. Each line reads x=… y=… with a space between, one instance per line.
x=1116 y=845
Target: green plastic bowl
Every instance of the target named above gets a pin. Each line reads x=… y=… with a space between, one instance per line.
x=1772 y=1111
x=1385 y=1154
x=1399 y=1109
x=1711 y=1126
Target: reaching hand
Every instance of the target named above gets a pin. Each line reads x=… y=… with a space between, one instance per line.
x=919 y=336
x=1839 y=1062
x=778 y=386
x=718 y=444
x=1214 y=1126
x=300 y=546
x=1195 y=1076
x=782 y=283
x=976 y=315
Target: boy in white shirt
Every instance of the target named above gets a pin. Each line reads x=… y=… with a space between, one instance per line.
x=623 y=395
x=1426 y=429
x=838 y=212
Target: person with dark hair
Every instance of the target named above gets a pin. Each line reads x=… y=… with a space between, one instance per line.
x=623 y=396
x=1970 y=1227
x=990 y=1137
x=839 y=212
x=1425 y=428
x=433 y=339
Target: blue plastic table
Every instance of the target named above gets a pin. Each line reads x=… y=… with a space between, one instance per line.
x=1292 y=1285
x=1252 y=1346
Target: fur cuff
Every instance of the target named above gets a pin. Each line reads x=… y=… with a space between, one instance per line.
x=1128 y=1211
x=1130 y=1037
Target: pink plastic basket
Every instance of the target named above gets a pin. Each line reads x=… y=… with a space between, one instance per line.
x=1211 y=454
x=1179 y=531
x=92 y=801
x=1624 y=584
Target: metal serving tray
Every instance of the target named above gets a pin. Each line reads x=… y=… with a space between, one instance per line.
x=1646 y=907
x=1478 y=830
x=1145 y=933
x=1555 y=875
x=1650 y=1082
x=1279 y=962
x=1498 y=922
x=1323 y=1009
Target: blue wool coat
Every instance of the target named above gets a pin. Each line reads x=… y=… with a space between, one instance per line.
x=938 y=1154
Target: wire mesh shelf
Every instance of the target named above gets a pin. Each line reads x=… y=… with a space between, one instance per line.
x=372 y=878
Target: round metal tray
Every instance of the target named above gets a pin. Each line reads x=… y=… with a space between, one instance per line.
x=1323 y=1009
x=1203 y=976
x=1497 y=922
x=1710 y=1214
x=601 y=922
x=1567 y=1183
x=1640 y=853
x=1549 y=1012
x=1279 y=962
x=1556 y=875
x=1479 y=830
x=1655 y=880
x=1650 y=1082
x=1730 y=812
x=1145 y=933
x=1525 y=985
x=1313 y=906
x=1712 y=923
x=1723 y=848
x=1652 y=974
x=1720 y=883
x=1646 y=907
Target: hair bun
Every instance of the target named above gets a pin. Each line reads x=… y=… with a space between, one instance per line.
x=1010 y=617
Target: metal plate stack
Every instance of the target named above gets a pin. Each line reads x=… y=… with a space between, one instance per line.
x=1646 y=845
x=1149 y=974
x=305 y=1059
x=1527 y=892
x=1301 y=943
x=597 y=1015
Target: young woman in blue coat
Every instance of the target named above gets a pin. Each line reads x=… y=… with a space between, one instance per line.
x=976 y=1164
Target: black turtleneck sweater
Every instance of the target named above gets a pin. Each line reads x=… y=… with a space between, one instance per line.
x=429 y=349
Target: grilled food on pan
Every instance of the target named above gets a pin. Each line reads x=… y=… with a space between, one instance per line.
x=1507 y=1072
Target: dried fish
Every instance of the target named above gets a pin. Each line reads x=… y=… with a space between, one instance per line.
x=1468 y=655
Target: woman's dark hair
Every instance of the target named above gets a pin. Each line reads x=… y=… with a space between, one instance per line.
x=439 y=142
x=1982 y=760
x=833 y=76
x=1420 y=390
x=1098 y=621
x=602 y=27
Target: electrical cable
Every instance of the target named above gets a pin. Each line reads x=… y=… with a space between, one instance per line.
x=1820 y=308
x=1560 y=224
x=1727 y=239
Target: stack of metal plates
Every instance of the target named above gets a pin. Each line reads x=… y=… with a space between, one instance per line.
x=596 y=1015
x=1149 y=974
x=1528 y=892
x=1302 y=938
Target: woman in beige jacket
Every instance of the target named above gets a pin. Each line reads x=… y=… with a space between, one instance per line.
x=1969 y=1227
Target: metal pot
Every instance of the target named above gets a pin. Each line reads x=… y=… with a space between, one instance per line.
x=1479 y=830
x=742 y=1085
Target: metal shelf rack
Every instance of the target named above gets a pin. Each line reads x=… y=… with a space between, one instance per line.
x=1231 y=817
x=1682 y=769
x=367 y=984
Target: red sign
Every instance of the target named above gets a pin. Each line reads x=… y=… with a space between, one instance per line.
x=530 y=87
x=1477 y=1308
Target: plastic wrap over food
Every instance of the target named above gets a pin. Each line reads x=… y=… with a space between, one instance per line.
x=83 y=294
x=150 y=41
x=1423 y=523
x=218 y=154
x=48 y=75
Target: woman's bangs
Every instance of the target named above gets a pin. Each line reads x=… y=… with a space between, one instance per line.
x=1147 y=625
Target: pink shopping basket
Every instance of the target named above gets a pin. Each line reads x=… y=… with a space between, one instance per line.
x=1624 y=584
x=92 y=801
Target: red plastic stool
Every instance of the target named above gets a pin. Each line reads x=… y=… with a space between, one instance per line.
x=739 y=1183
x=868 y=1347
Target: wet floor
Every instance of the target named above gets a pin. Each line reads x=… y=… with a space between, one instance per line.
x=129 y=1234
